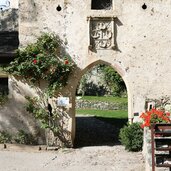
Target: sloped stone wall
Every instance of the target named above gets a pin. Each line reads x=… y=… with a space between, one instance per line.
x=85 y=104
x=13 y=116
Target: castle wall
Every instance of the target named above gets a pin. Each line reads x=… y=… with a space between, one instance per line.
x=13 y=116
x=139 y=50
x=142 y=37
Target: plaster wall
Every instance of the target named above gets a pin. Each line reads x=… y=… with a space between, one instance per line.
x=14 y=4
x=13 y=116
x=142 y=37
x=142 y=55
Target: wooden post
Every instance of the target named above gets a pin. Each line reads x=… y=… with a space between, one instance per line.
x=152 y=147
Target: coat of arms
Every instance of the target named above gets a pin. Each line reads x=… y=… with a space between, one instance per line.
x=101 y=34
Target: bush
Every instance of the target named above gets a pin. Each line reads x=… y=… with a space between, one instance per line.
x=5 y=137
x=21 y=138
x=131 y=136
x=25 y=138
x=43 y=60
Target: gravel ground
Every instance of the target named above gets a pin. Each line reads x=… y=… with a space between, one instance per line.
x=97 y=149
x=96 y=158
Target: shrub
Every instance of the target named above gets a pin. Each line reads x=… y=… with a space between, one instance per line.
x=43 y=60
x=5 y=137
x=41 y=112
x=25 y=138
x=131 y=136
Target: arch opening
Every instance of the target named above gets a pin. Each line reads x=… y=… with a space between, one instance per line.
x=101 y=106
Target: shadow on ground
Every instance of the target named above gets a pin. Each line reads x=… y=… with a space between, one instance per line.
x=97 y=131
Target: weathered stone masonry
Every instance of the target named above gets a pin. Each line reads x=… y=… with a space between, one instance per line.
x=134 y=39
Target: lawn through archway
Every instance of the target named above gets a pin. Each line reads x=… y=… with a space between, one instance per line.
x=96 y=126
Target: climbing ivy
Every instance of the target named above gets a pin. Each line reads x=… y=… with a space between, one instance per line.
x=43 y=60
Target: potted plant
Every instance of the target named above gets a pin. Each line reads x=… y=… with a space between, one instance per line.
x=154 y=116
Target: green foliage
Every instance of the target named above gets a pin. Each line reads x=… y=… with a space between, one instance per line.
x=5 y=137
x=108 y=82
x=21 y=137
x=131 y=136
x=25 y=138
x=113 y=80
x=41 y=113
x=83 y=84
x=43 y=60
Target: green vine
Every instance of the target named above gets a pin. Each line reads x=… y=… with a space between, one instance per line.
x=43 y=114
x=21 y=137
x=43 y=60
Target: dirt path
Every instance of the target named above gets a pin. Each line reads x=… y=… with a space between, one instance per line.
x=102 y=158
x=97 y=149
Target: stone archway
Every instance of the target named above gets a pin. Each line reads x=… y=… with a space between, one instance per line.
x=121 y=72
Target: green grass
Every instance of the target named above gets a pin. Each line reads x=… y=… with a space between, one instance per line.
x=118 y=114
x=106 y=99
x=104 y=113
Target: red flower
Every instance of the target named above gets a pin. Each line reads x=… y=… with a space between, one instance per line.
x=66 y=62
x=167 y=114
x=35 y=61
x=154 y=116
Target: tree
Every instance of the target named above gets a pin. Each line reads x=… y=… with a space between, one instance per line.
x=101 y=80
x=113 y=80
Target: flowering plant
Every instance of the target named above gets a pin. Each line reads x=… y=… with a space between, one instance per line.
x=155 y=116
x=43 y=60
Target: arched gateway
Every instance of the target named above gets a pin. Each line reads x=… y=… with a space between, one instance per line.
x=84 y=71
x=131 y=37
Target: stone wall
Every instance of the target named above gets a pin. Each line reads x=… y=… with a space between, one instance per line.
x=133 y=37
x=136 y=32
x=13 y=116
x=14 y=4
x=147 y=152
x=8 y=4
x=137 y=47
x=85 y=104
